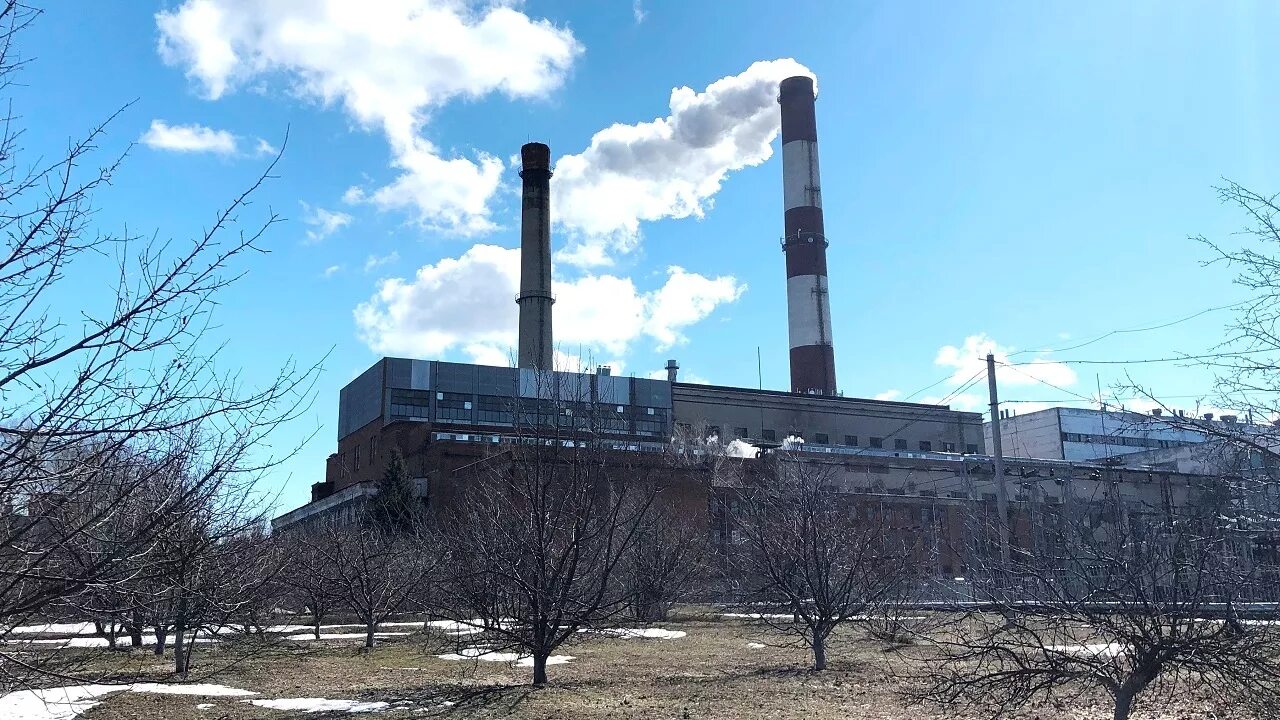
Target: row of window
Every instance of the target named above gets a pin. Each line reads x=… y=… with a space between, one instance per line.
x=1125 y=441
x=494 y=410
x=852 y=441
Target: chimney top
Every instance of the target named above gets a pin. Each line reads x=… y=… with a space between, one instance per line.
x=799 y=84
x=604 y=370
x=535 y=156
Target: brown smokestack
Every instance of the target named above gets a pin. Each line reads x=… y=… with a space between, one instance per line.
x=535 y=300
x=813 y=365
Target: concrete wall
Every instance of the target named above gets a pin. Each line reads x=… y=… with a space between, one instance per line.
x=1080 y=434
x=757 y=414
x=1034 y=435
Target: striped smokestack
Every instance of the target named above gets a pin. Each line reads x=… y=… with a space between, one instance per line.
x=813 y=366
x=535 y=349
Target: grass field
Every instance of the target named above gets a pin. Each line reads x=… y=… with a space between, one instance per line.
x=718 y=670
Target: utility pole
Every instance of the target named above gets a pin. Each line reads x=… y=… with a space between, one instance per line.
x=1002 y=493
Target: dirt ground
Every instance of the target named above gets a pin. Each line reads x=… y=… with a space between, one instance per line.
x=714 y=672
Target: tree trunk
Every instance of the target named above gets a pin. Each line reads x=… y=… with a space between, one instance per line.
x=135 y=630
x=368 y=634
x=179 y=638
x=819 y=652
x=315 y=625
x=162 y=632
x=1124 y=702
x=540 y=668
x=179 y=650
x=1128 y=692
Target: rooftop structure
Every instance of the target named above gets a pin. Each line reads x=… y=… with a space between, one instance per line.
x=1078 y=434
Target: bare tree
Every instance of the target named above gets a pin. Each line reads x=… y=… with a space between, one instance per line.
x=212 y=566
x=539 y=529
x=372 y=570
x=1135 y=603
x=807 y=551
x=306 y=578
x=91 y=383
x=666 y=562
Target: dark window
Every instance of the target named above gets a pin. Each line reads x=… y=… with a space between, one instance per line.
x=822 y=439
x=494 y=410
x=357 y=457
x=971 y=449
x=989 y=497
x=740 y=432
x=453 y=406
x=653 y=421
x=959 y=495
x=851 y=440
x=926 y=446
x=948 y=447
x=929 y=493
x=899 y=444
x=877 y=442
x=410 y=404
x=768 y=434
x=373 y=449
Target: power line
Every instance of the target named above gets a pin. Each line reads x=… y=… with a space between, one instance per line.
x=1125 y=331
x=1140 y=361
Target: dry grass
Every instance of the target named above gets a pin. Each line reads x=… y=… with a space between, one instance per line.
x=711 y=673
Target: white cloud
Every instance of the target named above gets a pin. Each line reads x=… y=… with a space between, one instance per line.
x=188 y=138
x=389 y=65
x=637 y=11
x=331 y=271
x=670 y=167
x=323 y=223
x=969 y=360
x=466 y=303
x=889 y=395
x=262 y=147
x=373 y=262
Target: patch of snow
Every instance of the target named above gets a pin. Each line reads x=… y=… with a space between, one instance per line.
x=759 y=616
x=344 y=636
x=206 y=689
x=286 y=628
x=648 y=633
x=756 y=645
x=66 y=703
x=484 y=655
x=61 y=703
x=553 y=660
x=454 y=627
x=81 y=628
x=1105 y=650
x=320 y=705
x=97 y=642
x=205 y=706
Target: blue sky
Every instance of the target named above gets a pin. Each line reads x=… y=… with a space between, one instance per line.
x=1025 y=174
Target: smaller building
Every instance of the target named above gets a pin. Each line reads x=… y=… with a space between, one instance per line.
x=1083 y=434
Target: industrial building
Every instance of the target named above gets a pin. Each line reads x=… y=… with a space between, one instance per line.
x=925 y=465
x=1080 y=434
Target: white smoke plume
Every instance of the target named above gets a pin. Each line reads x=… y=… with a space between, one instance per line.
x=670 y=167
